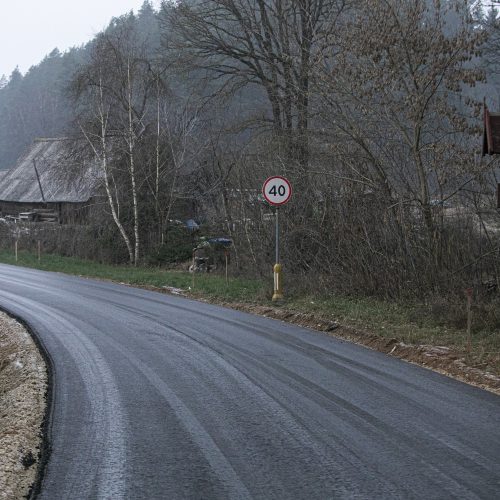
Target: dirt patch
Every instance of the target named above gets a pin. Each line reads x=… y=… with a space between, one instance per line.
x=23 y=386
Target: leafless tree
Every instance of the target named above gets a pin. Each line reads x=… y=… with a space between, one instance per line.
x=395 y=96
x=274 y=44
x=115 y=89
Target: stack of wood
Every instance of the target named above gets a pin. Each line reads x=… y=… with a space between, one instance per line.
x=39 y=215
x=46 y=215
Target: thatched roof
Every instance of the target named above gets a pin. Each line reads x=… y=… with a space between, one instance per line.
x=51 y=171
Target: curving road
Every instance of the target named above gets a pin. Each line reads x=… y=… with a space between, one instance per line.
x=161 y=397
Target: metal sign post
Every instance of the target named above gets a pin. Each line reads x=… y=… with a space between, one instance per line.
x=278 y=291
x=277 y=237
x=277 y=191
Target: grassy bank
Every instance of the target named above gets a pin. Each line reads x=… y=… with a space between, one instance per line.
x=418 y=323
x=433 y=323
x=212 y=286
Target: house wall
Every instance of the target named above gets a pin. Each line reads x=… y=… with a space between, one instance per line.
x=67 y=213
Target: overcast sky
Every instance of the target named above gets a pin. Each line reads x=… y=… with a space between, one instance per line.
x=30 y=29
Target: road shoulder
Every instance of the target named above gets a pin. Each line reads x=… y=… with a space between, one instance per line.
x=23 y=390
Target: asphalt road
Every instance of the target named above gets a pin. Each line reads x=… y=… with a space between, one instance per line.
x=161 y=397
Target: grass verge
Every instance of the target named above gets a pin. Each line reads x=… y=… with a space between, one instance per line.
x=211 y=286
x=418 y=323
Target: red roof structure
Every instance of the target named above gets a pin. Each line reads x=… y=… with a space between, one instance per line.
x=491 y=136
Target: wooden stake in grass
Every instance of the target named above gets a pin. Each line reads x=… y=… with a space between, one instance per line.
x=226 y=254
x=39 y=250
x=193 y=268
x=15 y=249
x=468 y=292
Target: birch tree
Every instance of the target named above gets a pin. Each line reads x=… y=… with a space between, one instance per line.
x=96 y=135
x=122 y=75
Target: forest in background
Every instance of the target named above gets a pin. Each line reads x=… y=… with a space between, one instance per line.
x=373 y=110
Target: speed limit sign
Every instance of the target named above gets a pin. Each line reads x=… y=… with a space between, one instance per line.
x=277 y=190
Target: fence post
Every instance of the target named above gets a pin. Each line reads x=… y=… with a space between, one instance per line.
x=468 y=292
x=194 y=270
x=226 y=255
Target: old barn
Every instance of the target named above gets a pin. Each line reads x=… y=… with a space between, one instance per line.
x=52 y=182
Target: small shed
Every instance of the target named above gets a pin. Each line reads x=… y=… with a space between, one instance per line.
x=491 y=135
x=52 y=182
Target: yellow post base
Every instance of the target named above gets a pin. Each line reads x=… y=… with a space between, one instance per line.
x=278 y=283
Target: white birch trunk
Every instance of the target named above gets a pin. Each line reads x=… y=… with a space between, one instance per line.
x=132 y=169
x=105 y=169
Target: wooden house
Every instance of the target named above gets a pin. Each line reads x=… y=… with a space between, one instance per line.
x=51 y=182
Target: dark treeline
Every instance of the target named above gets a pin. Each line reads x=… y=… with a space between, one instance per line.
x=372 y=109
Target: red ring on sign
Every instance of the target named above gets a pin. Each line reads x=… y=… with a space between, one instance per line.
x=286 y=181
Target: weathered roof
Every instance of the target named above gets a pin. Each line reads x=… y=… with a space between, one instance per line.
x=52 y=170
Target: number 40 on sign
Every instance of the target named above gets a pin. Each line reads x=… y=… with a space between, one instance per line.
x=277 y=190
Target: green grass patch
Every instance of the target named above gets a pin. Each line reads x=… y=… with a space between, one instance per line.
x=416 y=323
x=209 y=285
x=388 y=319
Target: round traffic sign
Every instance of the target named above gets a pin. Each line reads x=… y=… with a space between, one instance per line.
x=277 y=190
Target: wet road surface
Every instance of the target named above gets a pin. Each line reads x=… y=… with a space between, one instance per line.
x=157 y=396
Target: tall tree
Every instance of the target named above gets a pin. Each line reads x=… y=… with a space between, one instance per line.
x=119 y=83
x=490 y=24
x=274 y=44
x=396 y=94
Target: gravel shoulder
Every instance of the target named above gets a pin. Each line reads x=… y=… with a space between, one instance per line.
x=23 y=388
